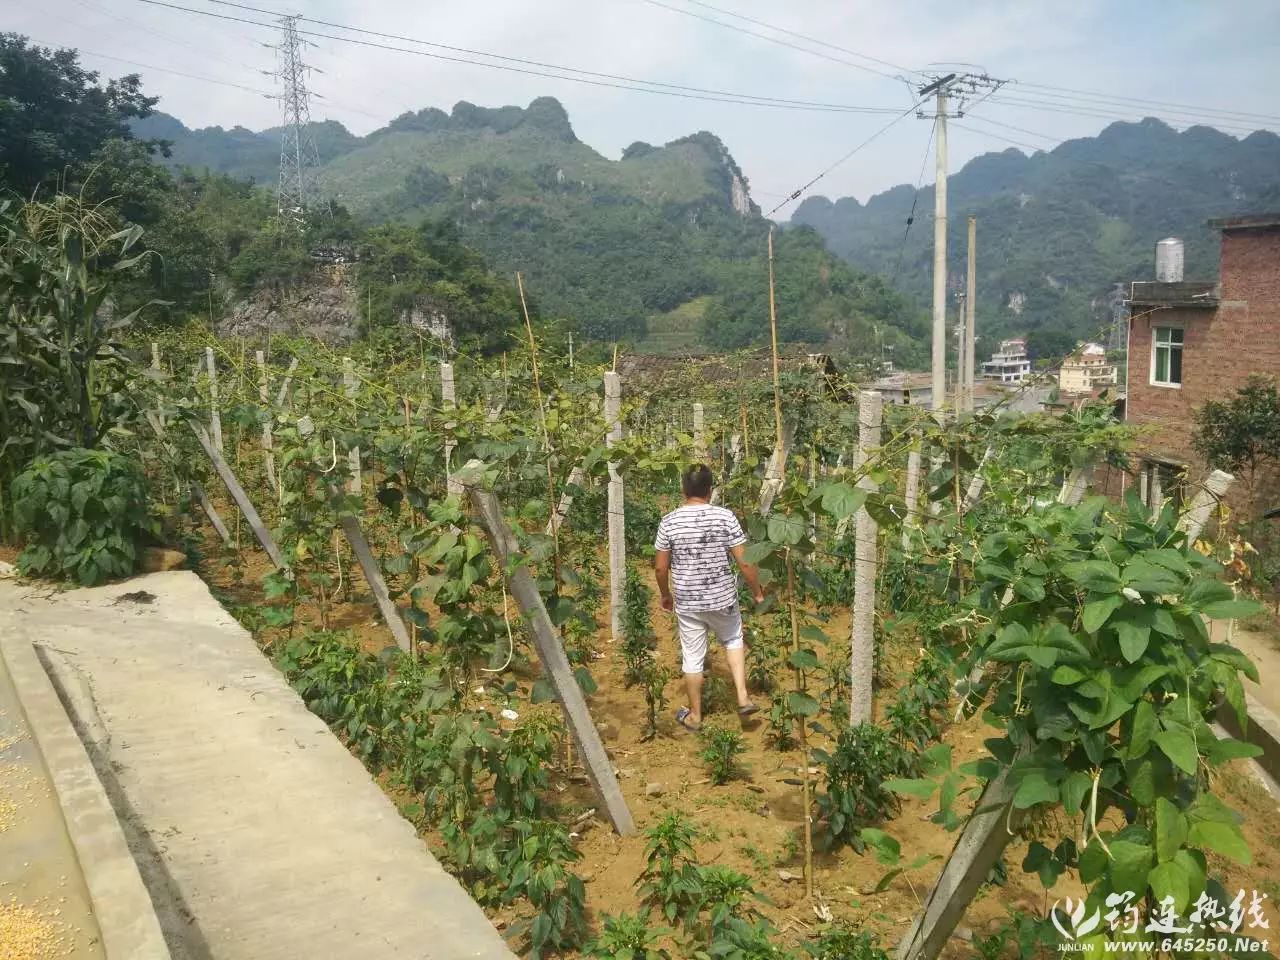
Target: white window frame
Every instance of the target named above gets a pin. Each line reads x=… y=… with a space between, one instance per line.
x=1169 y=345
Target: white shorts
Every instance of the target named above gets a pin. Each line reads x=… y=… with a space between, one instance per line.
x=695 y=624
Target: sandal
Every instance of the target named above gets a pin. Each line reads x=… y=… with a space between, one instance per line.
x=682 y=718
x=748 y=710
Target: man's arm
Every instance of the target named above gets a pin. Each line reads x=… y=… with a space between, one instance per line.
x=749 y=574
x=662 y=573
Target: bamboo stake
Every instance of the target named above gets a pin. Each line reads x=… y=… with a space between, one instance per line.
x=542 y=419
x=804 y=737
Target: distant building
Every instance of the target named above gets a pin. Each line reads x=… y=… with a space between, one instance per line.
x=1086 y=370
x=1009 y=364
x=1195 y=341
x=915 y=389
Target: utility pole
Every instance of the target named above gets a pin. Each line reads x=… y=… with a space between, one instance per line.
x=298 y=157
x=949 y=90
x=970 y=312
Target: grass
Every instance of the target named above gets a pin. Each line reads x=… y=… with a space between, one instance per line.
x=677 y=332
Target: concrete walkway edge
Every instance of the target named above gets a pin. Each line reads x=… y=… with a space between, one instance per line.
x=121 y=905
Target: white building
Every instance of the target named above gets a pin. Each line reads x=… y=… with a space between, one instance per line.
x=1086 y=370
x=1009 y=364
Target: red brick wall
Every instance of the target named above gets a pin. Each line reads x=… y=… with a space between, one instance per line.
x=1251 y=270
x=1221 y=347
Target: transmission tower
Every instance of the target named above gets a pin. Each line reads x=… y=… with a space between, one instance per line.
x=298 y=157
x=952 y=93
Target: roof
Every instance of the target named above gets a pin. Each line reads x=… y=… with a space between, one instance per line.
x=1186 y=293
x=1252 y=221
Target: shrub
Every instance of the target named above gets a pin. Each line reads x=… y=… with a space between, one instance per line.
x=628 y=936
x=863 y=758
x=82 y=514
x=721 y=748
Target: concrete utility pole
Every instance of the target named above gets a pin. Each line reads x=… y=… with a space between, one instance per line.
x=950 y=90
x=970 y=311
x=938 y=400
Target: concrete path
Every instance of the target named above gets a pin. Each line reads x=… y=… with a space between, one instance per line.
x=1262 y=650
x=258 y=835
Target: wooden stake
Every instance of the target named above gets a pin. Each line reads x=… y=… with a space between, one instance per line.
x=773 y=338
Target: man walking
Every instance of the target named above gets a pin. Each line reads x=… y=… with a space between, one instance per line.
x=694 y=544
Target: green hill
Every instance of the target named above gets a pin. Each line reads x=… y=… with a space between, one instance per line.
x=1059 y=229
x=605 y=243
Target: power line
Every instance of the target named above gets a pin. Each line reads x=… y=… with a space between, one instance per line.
x=204 y=51
x=179 y=73
x=801 y=36
x=769 y=39
x=795 y=194
x=1097 y=95
x=549 y=70
x=924 y=161
x=1117 y=113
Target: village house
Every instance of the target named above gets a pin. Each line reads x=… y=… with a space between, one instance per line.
x=1086 y=371
x=1191 y=341
x=1010 y=363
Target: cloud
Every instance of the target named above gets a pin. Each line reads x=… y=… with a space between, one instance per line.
x=1086 y=45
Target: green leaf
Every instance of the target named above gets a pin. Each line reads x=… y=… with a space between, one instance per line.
x=1171 y=830
x=756 y=553
x=1096 y=612
x=1099 y=576
x=801 y=704
x=803 y=660
x=1130 y=864
x=1169 y=879
x=923 y=789
x=785 y=530
x=1144 y=728
x=841 y=500
x=1222 y=838
x=888 y=850
x=1133 y=639
x=1147 y=577
x=1074 y=789
x=1179 y=746
x=1033 y=789
x=1231 y=609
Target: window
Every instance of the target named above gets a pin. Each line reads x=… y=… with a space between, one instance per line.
x=1166 y=357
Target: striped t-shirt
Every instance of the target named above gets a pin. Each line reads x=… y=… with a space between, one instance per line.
x=699 y=537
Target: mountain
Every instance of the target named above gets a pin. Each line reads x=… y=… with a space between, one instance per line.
x=1057 y=230
x=667 y=232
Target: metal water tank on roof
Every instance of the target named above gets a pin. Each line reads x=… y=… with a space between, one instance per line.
x=1169 y=258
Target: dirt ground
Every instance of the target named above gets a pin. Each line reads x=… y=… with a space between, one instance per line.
x=754 y=824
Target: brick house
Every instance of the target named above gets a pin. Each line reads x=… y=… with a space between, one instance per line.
x=1195 y=341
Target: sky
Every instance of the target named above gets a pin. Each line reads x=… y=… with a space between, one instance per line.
x=1218 y=56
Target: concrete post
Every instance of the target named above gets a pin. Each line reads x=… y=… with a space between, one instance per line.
x=615 y=525
x=241 y=498
x=377 y=585
x=939 y=353
x=1197 y=515
x=978 y=481
x=576 y=476
x=354 y=485
x=735 y=457
x=865 y=535
x=283 y=396
x=699 y=434
x=776 y=470
x=268 y=451
x=215 y=418
x=550 y=651
x=970 y=313
x=449 y=400
x=912 y=497
x=1143 y=492
x=1157 y=490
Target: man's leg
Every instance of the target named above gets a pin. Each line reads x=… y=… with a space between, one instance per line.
x=693 y=654
x=728 y=626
